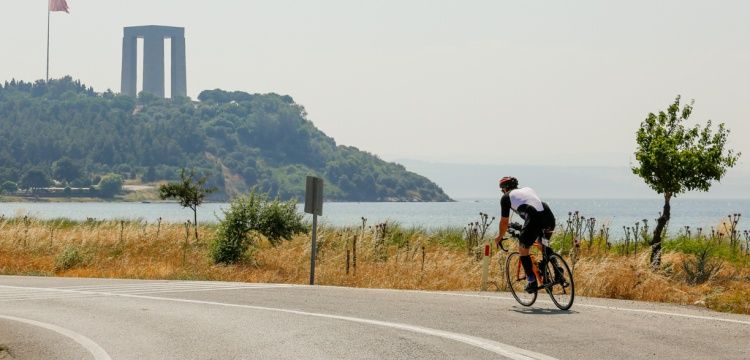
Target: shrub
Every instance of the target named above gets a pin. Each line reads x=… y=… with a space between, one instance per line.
x=235 y=232
x=251 y=214
x=280 y=220
x=69 y=258
x=452 y=237
x=700 y=267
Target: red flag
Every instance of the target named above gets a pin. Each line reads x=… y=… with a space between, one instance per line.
x=58 y=5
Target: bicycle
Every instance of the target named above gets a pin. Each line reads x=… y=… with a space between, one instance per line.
x=555 y=275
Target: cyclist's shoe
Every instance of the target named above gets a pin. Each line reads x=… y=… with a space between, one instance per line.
x=531 y=287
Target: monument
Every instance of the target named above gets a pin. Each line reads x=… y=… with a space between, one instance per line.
x=153 y=60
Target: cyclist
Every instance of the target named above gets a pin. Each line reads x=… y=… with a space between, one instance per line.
x=538 y=222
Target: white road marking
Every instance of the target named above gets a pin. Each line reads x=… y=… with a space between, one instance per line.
x=233 y=286
x=88 y=344
x=616 y=308
x=69 y=294
x=27 y=293
x=147 y=285
x=167 y=288
x=505 y=350
x=508 y=298
x=508 y=351
x=59 y=297
x=132 y=291
x=148 y=291
x=666 y=313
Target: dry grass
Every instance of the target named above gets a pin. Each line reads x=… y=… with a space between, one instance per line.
x=5 y=352
x=116 y=249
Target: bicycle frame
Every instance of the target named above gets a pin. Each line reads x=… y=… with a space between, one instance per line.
x=535 y=268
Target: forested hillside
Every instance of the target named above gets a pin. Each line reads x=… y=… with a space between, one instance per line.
x=68 y=133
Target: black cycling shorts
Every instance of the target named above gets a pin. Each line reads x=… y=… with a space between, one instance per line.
x=538 y=224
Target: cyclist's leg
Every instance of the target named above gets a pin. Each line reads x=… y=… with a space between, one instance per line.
x=545 y=236
x=558 y=272
x=547 y=228
x=526 y=241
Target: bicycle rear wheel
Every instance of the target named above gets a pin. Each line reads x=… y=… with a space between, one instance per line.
x=516 y=278
x=562 y=291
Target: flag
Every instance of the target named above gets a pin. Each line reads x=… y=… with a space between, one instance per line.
x=58 y=5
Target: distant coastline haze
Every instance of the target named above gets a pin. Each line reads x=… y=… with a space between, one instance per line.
x=479 y=181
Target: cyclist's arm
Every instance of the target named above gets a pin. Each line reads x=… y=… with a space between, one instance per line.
x=504 y=221
x=504 y=218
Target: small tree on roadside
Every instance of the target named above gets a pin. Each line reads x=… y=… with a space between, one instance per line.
x=191 y=191
x=673 y=159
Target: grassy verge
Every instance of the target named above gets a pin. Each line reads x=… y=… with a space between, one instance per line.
x=401 y=258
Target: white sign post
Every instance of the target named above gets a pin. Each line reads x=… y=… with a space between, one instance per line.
x=485 y=266
x=314 y=206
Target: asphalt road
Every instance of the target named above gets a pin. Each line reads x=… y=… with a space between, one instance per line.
x=67 y=318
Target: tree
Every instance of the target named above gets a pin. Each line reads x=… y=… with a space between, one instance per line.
x=110 y=185
x=34 y=179
x=673 y=159
x=64 y=169
x=190 y=191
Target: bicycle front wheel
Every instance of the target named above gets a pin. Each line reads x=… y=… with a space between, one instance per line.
x=562 y=290
x=516 y=278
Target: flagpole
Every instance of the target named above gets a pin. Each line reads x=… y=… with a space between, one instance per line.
x=48 y=12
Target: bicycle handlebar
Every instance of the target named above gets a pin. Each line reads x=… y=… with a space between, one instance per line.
x=513 y=234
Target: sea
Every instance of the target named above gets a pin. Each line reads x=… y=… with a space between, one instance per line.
x=614 y=214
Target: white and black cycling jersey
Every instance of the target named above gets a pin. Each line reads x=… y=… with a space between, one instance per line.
x=523 y=201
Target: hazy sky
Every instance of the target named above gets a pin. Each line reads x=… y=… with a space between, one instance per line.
x=535 y=82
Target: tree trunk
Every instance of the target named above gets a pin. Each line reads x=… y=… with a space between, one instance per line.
x=660 y=224
x=195 y=222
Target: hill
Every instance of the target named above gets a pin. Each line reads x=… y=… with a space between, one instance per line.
x=65 y=131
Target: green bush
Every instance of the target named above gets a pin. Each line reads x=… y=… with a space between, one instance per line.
x=235 y=232
x=720 y=248
x=400 y=236
x=452 y=237
x=69 y=258
x=701 y=266
x=280 y=220
x=250 y=215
